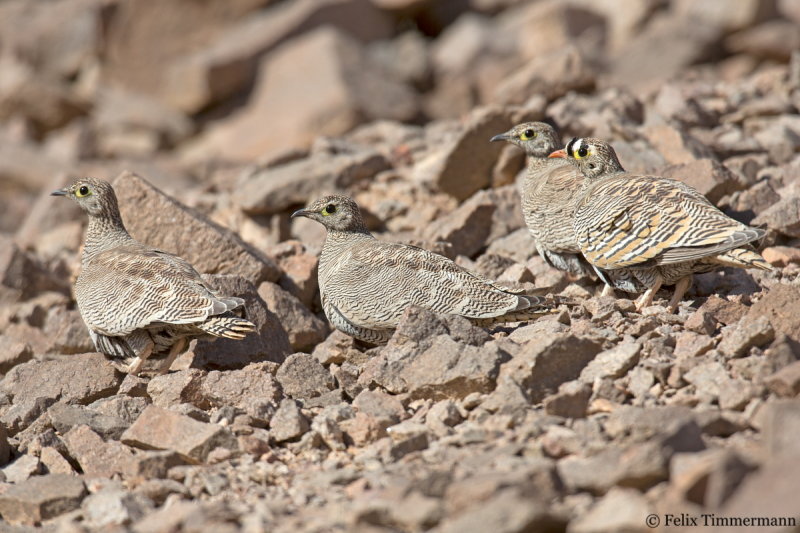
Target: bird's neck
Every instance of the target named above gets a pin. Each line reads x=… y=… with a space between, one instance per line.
x=104 y=232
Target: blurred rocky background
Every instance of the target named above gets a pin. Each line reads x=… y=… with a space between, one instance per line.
x=216 y=119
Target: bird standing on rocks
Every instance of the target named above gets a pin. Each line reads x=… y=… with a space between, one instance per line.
x=139 y=302
x=659 y=230
x=549 y=193
x=367 y=284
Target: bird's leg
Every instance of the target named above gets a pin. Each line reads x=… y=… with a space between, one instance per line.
x=608 y=290
x=174 y=352
x=647 y=298
x=138 y=361
x=680 y=289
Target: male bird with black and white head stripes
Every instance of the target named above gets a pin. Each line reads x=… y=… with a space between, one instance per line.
x=549 y=192
x=366 y=284
x=139 y=302
x=658 y=230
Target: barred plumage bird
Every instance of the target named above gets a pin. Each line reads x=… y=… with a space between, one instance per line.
x=367 y=284
x=139 y=302
x=658 y=230
x=549 y=192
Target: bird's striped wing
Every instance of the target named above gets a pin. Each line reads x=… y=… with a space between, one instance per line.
x=132 y=287
x=373 y=282
x=648 y=220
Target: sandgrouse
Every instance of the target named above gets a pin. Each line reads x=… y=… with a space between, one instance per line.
x=549 y=192
x=658 y=230
x=139 y=302
x=367 y=284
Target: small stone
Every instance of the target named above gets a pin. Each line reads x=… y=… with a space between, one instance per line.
x=53 y=462
x=746 y=334
x=114 y=507
x=41 y=498
x=21 y=469
x=786 y=381
x=159 y=429
x=621 y=509
x=780 y=256
x=613 y=363
x=96 y=457
x=690 y=344
x=302 y=376
x=571 y=400
x=288 y=423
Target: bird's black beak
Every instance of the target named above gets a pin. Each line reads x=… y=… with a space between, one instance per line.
x=301 y=213
x=500 y=137
x=60 y=192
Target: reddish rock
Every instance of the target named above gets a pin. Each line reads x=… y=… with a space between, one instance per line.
x=786 y=381
x=780 y=256
x=96 y=457
x=302 y=376
x=305 y=330
x=781 y=306
x=679 y=148
x=159 y=429
x=253 y=389
x=41 y=498
x=209 y=247
x=748 y=332
x=706 y=175
x=288 y=423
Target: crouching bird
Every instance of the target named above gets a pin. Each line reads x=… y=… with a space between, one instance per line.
x=655 y=230
x=366 y=284
x=138 y=302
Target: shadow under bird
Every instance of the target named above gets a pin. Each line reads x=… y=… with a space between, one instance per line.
x=658 y=230
x=139 y=302
x=366 y=284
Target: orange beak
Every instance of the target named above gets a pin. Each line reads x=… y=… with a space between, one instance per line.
x=560 y=154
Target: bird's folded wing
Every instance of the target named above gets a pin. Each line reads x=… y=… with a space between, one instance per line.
x=644 y=220
x=125 y=289
x=373 y=284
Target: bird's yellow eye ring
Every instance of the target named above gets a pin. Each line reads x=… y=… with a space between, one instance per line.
x=527 y=135
x=328 y=210
x=83 y=191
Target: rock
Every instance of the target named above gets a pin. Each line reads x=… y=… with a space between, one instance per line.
x=709 y=177
x=541 y=367
x=64 y=417
x=551 y=75
x=302 y=376
x=288 y=422
x=252 y=389
x=53 y=462
x=159 y=429
x=74 y=379
x=355 y=90
x=445 y=369
x=781 y=420
x=22 y=275
x=780 y=256
x=12 y=353
x=381 y=406
x=708 y=477
x=723 y=311
x=305 y=330
x=442 y=416
x=41 y=498
x=337 y=348
x=299 y=275
x=21 y=469
x=269 y=343
x=613 y=363
x=680 y=149
x=783 y=216
x=690 y=344
x=701 y=322
x=635 y=65
x=467 y=228
x=621 y=509
x=175 y=388
x=96 y=457
x=210 y=248
x=719 y=14
x=464 y=165
x=738 y=339
x=510 y=510
x=786 y=381
x=771 y=40
x=781 y=306
x=274 y=189
x=570 y=401
x=114 y=507
x=67 y=332
x=193 y=81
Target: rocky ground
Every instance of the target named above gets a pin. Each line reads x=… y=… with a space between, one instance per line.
x=215 y=120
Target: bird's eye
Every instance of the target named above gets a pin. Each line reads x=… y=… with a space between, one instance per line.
x=82 y=191
x=329 y=210
x=582 y=151
x=527 y=134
